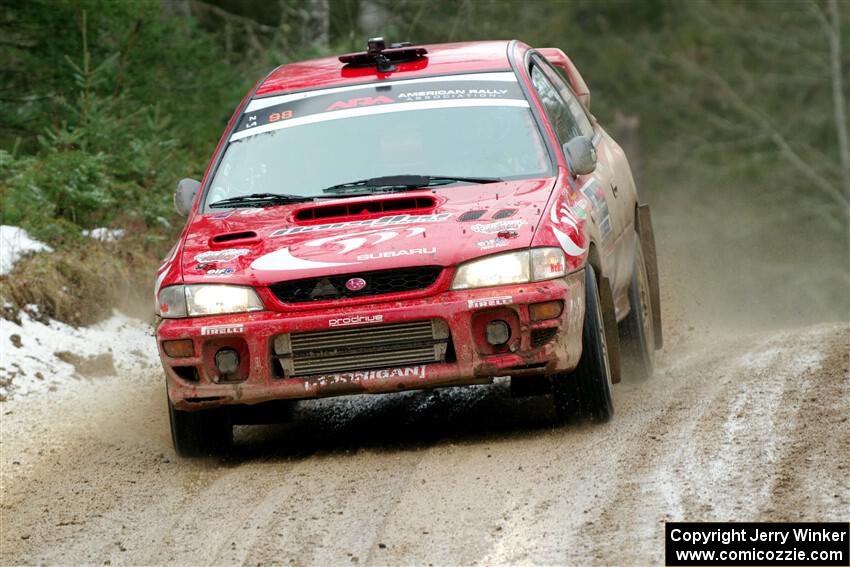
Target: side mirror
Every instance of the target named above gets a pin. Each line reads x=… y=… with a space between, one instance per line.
x=580 y=155
x=184 y=197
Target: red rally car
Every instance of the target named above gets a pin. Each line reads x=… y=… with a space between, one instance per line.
x=407 y=217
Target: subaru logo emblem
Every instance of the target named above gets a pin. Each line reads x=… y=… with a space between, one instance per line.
x=355 y=284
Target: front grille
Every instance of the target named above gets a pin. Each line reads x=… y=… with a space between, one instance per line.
x=362 y=348
x=378 y=282
x=540 y=337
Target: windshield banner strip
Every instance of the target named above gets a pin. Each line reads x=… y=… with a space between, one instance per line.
x=261 y=103
x=379 y=99
x=357 y=112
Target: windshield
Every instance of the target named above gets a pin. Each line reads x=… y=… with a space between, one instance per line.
x=329 y=139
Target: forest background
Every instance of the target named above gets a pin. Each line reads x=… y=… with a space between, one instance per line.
x=734 y=115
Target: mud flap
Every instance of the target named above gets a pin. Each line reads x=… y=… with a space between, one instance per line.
x=612 y=335
x=647 y=239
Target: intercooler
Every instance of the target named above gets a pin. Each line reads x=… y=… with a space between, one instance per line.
x=362 y=348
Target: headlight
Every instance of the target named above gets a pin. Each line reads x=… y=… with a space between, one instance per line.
x=512 y=268
x=197 y=300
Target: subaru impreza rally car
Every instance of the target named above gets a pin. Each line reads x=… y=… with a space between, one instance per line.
x=407 y=217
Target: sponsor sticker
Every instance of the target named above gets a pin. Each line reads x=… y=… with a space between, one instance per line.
x=490 y=301
x=492 y=243
x=380 y=222
x=353 y=241
x=219 y=271
x=222 y=330
x=227 y=255
x=454 y=91
x=396 y=253
x=500 y=226
x=355 y=320
x=366 y=376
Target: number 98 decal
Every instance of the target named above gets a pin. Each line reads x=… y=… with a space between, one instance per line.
x=283 y=115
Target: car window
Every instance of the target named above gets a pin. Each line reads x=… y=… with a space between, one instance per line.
x=470 y=141
x=562 y=119
x=577 y=110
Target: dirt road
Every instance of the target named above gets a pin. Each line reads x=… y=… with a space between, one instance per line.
x=746 y=428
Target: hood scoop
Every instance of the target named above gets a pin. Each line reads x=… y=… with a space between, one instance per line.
x=365 y=208
x=242 y=237
x=504 y=213
x=471 y=216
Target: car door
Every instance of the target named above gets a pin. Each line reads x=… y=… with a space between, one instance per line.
x=569 y=120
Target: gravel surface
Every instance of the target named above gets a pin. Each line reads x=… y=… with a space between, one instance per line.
x=751 y=427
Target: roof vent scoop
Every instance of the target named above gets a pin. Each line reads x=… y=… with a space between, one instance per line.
x=383 y=58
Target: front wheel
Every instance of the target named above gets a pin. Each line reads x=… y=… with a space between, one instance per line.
x=200 y=433
x=586 y=392
x=638 y=331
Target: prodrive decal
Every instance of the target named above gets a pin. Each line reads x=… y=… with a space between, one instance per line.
x=366 y=376
x=355 y=320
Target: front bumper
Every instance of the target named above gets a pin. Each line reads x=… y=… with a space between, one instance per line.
x=535 y=347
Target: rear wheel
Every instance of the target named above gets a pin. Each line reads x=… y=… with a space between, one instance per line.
x=638 y=332
x=586 y=392
x=200 y=433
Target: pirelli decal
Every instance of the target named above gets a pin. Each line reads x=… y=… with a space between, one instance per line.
x=454 y=91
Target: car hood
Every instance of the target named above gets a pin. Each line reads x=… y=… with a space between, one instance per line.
x=433 y=227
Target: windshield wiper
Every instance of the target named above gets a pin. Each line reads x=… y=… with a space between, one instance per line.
x=264 y=199
x=390 y=183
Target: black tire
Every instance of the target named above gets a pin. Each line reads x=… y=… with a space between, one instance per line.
x=200 y=433
x=637 y=336
x=586 y=392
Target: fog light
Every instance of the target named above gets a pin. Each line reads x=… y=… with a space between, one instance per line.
x=545 y=310
x=227 y=361
x=498 y=332
x=179 y=349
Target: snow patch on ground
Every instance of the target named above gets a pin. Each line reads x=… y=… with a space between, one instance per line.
x=15 y=243
x=28 y=352
x=105 y=234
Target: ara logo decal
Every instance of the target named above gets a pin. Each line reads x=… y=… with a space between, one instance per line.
x=362 y=101
x=561 y=215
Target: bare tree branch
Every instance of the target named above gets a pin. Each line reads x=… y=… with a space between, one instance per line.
x=838 y=101
x=763 y=121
